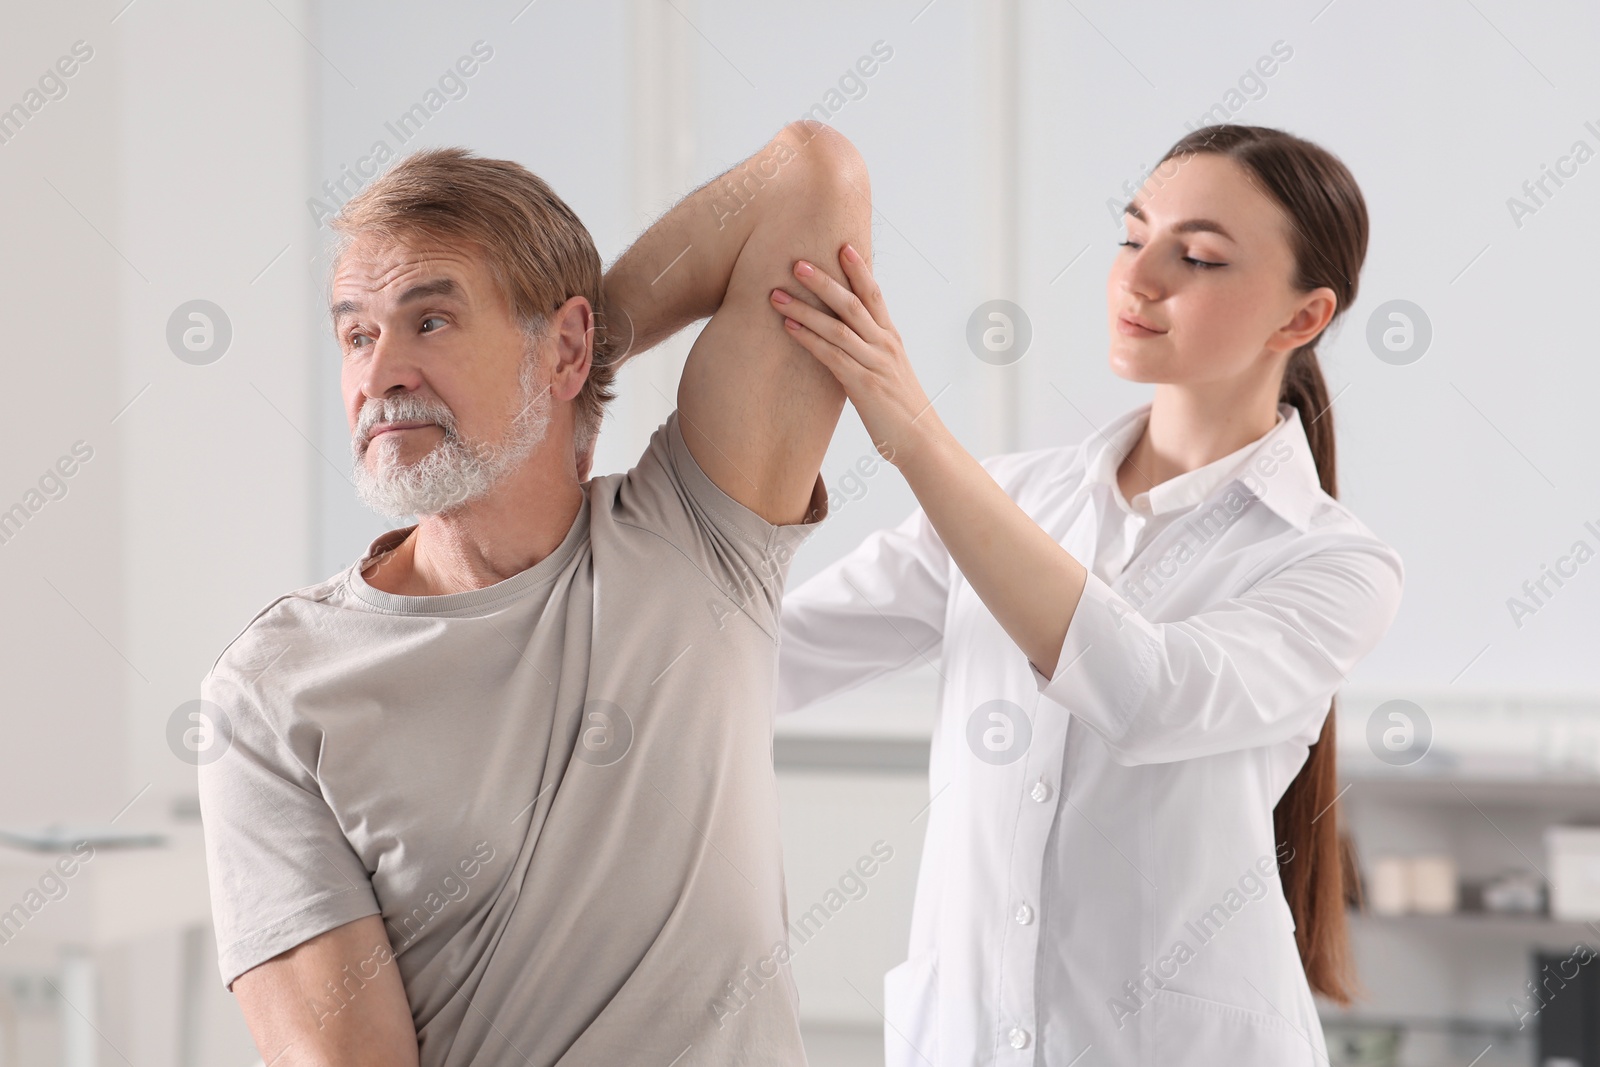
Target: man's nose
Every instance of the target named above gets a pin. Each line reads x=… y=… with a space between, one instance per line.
x=390 y=371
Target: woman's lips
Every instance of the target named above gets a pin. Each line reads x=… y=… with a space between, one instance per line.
x=1133 y=329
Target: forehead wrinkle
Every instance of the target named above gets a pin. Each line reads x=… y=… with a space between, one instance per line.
x=415 y=261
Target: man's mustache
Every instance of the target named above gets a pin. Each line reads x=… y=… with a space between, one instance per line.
x=402 y=409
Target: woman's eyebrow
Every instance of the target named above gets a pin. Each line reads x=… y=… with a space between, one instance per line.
x=1187 y=225
x=1202 y=226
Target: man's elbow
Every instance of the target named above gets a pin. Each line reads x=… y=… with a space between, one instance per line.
x=824 y=164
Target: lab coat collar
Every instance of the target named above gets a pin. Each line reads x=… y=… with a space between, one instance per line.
x=1288 y=485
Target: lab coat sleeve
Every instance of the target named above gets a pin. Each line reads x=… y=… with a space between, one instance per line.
x=879 y=609
x=1252 y=671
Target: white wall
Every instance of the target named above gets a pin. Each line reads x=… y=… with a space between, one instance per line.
x=170 y=171
x=59 y=296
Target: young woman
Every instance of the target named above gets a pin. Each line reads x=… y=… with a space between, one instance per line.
x=1132 y=853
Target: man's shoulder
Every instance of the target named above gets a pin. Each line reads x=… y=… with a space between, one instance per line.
x=665 y=525
x=272 y=631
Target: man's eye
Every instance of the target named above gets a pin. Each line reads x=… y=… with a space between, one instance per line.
x=432 y=318
x=355 y=339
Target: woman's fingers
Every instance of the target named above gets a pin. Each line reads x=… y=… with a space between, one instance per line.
x=822 y=325
x=865 y=286
x=837 y=362
x=841 y=300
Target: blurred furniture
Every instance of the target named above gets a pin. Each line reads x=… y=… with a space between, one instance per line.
x=119 y=895
x=1499 y=774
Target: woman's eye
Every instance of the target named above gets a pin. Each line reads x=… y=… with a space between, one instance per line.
x=1198 y=264
x=356 y=338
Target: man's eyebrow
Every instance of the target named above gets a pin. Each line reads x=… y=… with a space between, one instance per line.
x=420 y=291
x=1186 y=226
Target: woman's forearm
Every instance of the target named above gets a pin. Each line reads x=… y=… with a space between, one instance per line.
x=1030 y=584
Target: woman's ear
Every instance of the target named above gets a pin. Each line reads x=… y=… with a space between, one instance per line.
x=1315 y=311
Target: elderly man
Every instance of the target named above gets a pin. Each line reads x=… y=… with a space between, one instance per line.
x=501 y=792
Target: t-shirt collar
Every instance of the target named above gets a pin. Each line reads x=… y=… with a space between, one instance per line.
x=469 y=599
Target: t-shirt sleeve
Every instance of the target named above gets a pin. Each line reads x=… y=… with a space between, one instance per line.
x=280 y=867
x=744 y=557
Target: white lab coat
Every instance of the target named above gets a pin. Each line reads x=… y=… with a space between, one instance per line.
x=1106 y=888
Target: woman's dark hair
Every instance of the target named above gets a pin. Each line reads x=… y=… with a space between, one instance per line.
x=1328 y=222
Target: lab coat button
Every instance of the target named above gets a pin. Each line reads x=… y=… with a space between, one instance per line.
x=1024 y=915
x=1041 y=792
x=1019 y=1037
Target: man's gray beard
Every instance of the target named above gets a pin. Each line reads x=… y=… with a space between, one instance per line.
x=457 y=471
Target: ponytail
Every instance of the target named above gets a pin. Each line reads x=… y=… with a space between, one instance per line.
x=1318 y=870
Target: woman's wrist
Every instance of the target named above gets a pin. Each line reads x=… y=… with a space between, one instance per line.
x=921 y=448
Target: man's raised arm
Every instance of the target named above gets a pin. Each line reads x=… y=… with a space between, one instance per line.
x=756 y=409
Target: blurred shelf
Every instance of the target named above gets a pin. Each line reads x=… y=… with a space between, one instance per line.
x=1576 y=792
x=1362 y=1018
x=1428 y=1040
x=1522 y=927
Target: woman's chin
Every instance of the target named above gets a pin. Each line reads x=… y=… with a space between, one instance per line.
x=1133 y=369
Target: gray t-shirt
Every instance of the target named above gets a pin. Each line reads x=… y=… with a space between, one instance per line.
x=557 y=790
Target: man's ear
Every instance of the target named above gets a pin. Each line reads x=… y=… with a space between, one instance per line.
x=572 y=330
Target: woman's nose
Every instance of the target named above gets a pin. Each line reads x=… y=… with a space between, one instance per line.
x=1141 y=276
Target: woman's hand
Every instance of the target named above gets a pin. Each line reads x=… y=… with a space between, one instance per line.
x=1028 y=582
x=863 y=350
